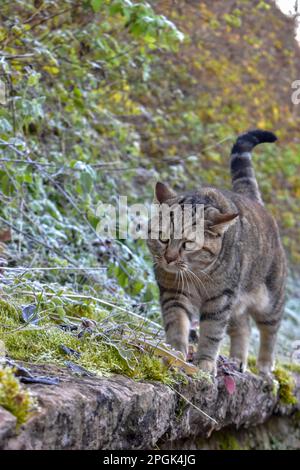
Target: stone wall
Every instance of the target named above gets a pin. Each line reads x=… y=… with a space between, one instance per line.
x=119 y=413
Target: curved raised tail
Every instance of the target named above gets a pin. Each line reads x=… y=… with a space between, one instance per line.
x=242 y=172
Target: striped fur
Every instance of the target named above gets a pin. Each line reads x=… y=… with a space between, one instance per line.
x=239 y=272
x=242 y=172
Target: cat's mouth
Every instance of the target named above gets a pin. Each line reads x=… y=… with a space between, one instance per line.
x=173 y=266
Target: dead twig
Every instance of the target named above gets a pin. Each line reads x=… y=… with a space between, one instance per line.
x=16 y=56
x=193 y=405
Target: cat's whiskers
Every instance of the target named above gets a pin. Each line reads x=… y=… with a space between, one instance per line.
x=183 y=281
x=198 y=279
x=177 y=280
x=184 y=273
x=191 y=280
x=180 y=275
x=207 y=275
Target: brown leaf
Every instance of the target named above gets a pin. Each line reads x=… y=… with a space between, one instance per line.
x=5 y=235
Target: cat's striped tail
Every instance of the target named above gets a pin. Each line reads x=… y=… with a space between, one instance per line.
x=242 y=172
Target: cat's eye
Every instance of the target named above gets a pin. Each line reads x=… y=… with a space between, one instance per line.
x=189 y=246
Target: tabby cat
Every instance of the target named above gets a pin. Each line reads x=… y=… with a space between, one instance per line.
x=238 y=272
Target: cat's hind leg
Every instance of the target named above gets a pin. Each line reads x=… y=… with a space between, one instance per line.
x=267 y=316
x=265 y=361
x=239 y=330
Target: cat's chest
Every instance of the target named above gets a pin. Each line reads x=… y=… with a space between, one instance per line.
x=197 y=286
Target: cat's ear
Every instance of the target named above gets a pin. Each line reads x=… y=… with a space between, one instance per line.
x=163 y=193
x=222 y=222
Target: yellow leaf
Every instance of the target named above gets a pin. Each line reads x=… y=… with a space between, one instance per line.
x=51 y=69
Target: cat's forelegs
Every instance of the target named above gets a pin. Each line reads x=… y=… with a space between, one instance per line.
x=177 y=328
x=212 y=331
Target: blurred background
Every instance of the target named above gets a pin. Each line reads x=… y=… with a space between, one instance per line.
x=102 y=98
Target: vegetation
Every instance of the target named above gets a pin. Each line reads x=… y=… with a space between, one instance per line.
x=228 y=442
x=13 y=397
x=286 y=386
x=96 y=342
x=99 y=98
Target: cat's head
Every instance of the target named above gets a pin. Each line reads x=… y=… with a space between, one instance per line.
x=173 y=252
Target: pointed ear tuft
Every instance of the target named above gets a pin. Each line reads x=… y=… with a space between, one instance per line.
x=222 y=222
x=163 y=192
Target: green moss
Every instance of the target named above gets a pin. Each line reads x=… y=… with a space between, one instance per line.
x=252 y=365
x=13 y=397
x=286 y=386
x=227 y=441
x=8 y=311
x=152 y=368
x=202 y=375
x=44 y=345
x=98 y=353
x=292 y=367
x=84 y=310
x=181 y=406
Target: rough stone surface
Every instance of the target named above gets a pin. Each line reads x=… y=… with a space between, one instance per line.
x=119 y=413
x=7 y=425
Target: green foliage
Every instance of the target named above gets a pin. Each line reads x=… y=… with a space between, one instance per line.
x=13 y=397
x=67 y=69
x=100 y=98
x=141 y=21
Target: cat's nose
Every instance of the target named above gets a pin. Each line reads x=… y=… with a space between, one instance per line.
x=169 y=257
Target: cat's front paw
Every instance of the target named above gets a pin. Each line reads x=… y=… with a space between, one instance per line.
x=208 y=366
